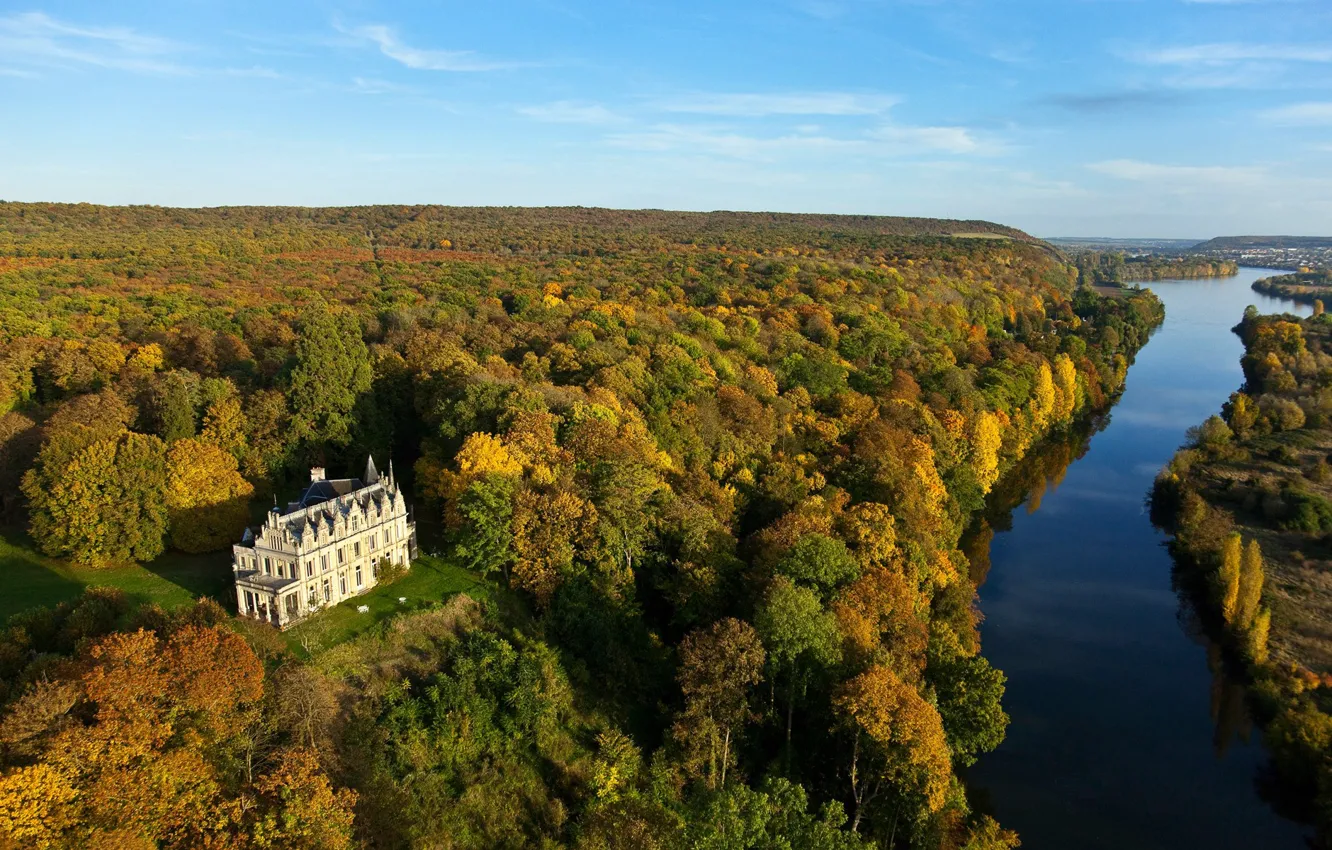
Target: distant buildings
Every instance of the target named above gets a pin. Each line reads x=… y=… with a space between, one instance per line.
x=325 y=548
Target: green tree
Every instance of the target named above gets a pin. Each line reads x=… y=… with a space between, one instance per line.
x=821 y=562
x=485 y=538
x=105 y=504
x=799 y=636
x=173 y=406
x=332 y=369
x=969 y=694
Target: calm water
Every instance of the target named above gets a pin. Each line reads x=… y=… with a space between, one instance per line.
x=1123 y=734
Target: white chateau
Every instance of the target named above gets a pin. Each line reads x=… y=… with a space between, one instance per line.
x=323 y=549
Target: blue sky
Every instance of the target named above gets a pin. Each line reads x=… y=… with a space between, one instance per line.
x=1163 y=118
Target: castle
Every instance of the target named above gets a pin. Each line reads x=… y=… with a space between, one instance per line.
x=325 y=548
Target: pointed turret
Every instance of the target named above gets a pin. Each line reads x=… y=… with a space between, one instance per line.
x=390 y=475
x=371 y=474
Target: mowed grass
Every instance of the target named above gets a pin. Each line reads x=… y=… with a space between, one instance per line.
x=32 y=579
x=431 y=579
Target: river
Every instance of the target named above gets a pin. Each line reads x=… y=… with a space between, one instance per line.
x=1125 y=733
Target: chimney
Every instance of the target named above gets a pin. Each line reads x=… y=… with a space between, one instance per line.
x=316 y=474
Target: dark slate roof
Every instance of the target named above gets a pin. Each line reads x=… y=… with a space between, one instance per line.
x=323 y=491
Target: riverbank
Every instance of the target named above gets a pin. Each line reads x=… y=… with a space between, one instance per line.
x=1249 y=502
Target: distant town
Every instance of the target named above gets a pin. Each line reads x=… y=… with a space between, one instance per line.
x=1290 y=253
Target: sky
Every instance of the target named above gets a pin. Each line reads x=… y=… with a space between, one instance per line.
x=1128 y=118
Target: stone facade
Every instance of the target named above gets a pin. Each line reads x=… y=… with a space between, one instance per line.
x=323 y=549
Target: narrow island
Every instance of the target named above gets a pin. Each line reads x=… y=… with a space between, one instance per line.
x=1116 y=269
x=1248 y=501
x=1305 y=287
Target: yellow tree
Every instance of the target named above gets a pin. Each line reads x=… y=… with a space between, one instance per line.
x=207 y=499
x=1250 y=586
x=224 y=426
x=898 y=740
x=1066 y=388
x=1043 y=396
x=1228 y=577
x=550 y=533
x=986 y=440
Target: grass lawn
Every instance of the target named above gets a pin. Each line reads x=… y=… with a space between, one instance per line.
x=430 y=579
x=32 y=579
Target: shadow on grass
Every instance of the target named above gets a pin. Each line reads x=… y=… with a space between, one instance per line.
x=33 y=580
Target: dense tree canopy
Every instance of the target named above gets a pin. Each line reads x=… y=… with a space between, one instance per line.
x=716 y=466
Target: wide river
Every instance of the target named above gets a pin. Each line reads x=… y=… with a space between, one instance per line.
x=1125 y=733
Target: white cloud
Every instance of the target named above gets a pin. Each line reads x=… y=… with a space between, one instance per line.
x=1181 y=176
x=419 y=58
x=958 y=140
x=791 y=103
x=570 y=112
x=1316 y=114
x=674 y=137
x=37 y=38
x=884 y=141
x=1227 y=53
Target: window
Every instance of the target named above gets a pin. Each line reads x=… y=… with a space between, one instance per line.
x=342 y=581
x=357 y=547
x=323 y=563
x=311 y=598
x=327 y=595
x=281 y=570
x=358 y=575
x=309 y=568
x=372 y=543
x=268 y=566
x=342 y=554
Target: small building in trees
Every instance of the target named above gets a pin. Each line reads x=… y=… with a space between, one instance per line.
x=330 y=545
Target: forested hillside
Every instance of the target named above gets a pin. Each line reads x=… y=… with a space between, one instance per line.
x=714 y=469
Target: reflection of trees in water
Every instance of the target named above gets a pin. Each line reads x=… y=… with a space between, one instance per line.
x=1029 y=482
x=1229 y=703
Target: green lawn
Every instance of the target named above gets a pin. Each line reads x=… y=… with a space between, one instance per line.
x=31 y=579
x=175 y=579
x=430 y=579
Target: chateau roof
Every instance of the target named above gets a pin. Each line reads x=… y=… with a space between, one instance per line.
x=323 y=491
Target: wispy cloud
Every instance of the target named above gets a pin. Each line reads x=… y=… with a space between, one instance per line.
x=955 y=140
x=1317 y=114
x=368 y=85
x=570 y=112
x=1102 y=102
x=1180 y=176
x=422 y=59
x=678 y=138
x=883 y=141
x=38 y=38
x=792 y=103
x=1228 y=53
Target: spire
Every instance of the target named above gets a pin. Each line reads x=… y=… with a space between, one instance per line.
x=390 y=475
x=371 y=474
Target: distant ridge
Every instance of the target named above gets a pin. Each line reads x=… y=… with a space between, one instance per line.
x=1237 y=243
x=412 y=225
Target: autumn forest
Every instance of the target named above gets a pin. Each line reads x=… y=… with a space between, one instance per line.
x=693 y=488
